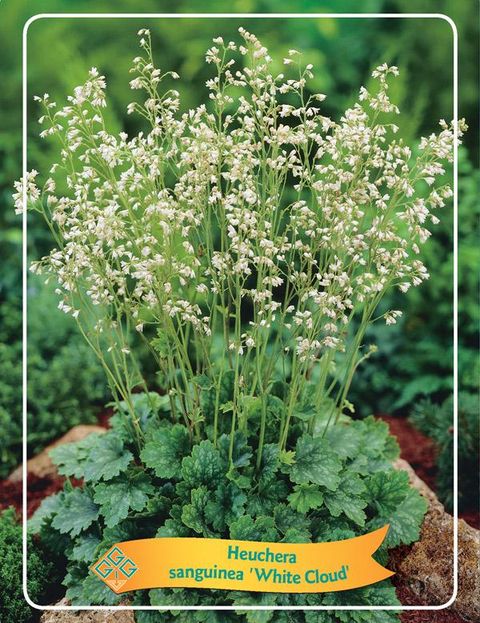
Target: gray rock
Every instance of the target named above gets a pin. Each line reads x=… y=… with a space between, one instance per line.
x=426 y=567
x=41 y=465
x=86 y=616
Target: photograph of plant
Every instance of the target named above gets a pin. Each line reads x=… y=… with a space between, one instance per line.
x=232 y=254
x=242 y=244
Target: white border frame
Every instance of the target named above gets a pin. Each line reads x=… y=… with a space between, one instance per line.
x=440 y=16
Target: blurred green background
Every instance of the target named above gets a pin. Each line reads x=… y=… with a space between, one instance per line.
x=415 y=358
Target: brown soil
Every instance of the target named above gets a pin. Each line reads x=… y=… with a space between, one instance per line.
x=11 y=495
x=424 y=616
x=38 y=489
x=103 y=417
x=472 y=517
x=420 y=451
x=415 y=447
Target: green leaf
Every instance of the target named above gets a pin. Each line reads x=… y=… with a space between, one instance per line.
x=162 y=501
x=276 y=407
x=287 y=457
x=406 y=521
x=360 y=465
x=107 y=458
x=172 y=528
x=322 y=616
x=208 y=391
x=287 y=519
x=266 y=497
x=161 y=344
x=344 y=440
x=124 y=531
x=204 y=466
x=248 y=529
x=147 y=616
x=269 y=464
x=127 y=492
x=226 y=386
x=255 y=599
x=391 y=450
x=85 y=548
x=387 y=490
x=379 y=594
x=340 y=502
x=315 y=463
x=305 y=498
x=242 y=452
x=70 y=458
x=348 y=499
x=195 y=516
x=227 y=505
x=146 y=407
x=297 y=535
x=304 y=413
x=374 y=434
x=95 y=592
x=73 y=581
x=183 y=597
x=77 y=512
x=333 y=533
x=251 y=407
x=47 y=508
x=165 y=451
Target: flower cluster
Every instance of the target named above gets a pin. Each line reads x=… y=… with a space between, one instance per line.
x=255 y=218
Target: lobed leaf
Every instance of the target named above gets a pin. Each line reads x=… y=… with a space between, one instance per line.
x=76 y=513
x=204 y=466
x=248 y=529
x=85 y=548
x=305 y=497
x=107 y=458
x=47 y=508
x=195 y=516
x=405 y=522
x=387 y=490
x=70 y=458
x=126 y=492
x=165 y=451
x=315 y=463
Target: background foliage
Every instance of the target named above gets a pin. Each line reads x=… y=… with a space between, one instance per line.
x=436 y=421
x=43 y=576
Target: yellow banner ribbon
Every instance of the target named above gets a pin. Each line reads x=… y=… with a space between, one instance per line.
x=242 y=565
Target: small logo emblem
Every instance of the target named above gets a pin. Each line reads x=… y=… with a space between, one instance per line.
x=114 y=568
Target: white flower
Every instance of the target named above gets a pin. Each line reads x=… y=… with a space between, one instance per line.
x=255 y=225
x=249 y=196
x=391 y=316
